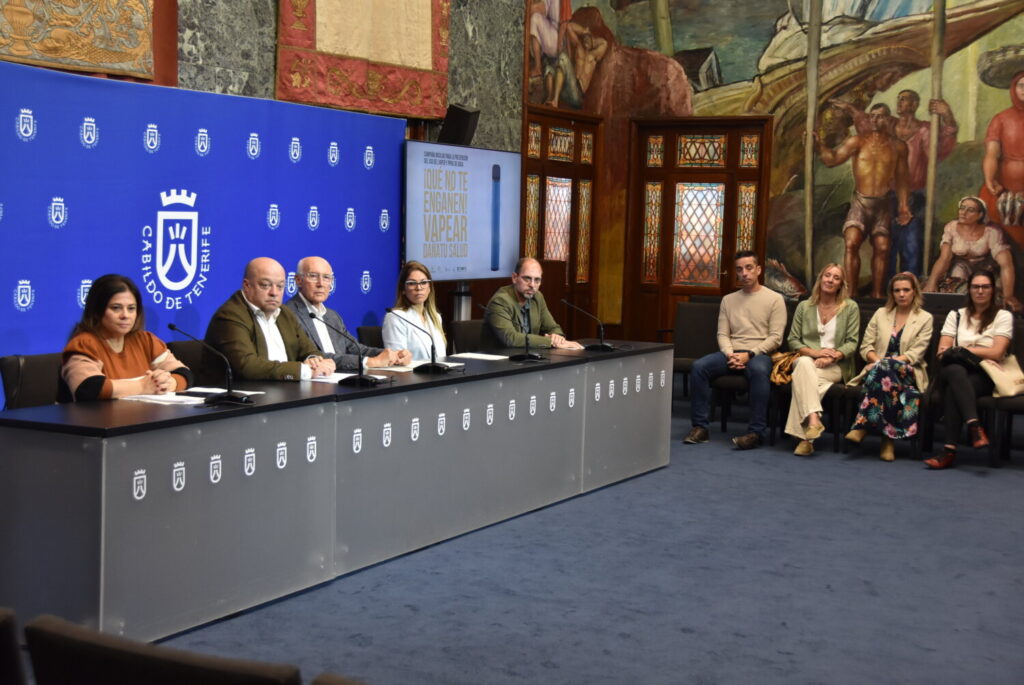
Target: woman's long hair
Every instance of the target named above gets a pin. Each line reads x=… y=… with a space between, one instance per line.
x=985 y=318
x=844 y=289
x=915 y=285
x=429 y=306
x=102 y=289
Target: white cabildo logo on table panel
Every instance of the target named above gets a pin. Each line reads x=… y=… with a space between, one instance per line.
x=368 y=157
x=350 y=219
x=440 y=424
x=313 y=218
x=365 y=282
x=57 y=213
x=650 y=381
x=311 y=449
x=414 y=429
x=662 y=381
x=249 y=461
x=252 y=146
x=295 y=150
x=216 y=468
x=385 y=221
x=597 y=391
x=552 y=400
x=611 y=389
x=625 y=386
x=89 y=133
x=465 y=419
x=273 y=217
x=178 y=476
x=511 y=410
x=385 y=435
x=203 y=142
x=151 y=138
x=176 y=254
x=333 y=153
x=24 y=295
x=357 y=440
x=25 y=125
x=572 y=397
x=490 y=415
x=282 y=455
x=83 y=292
x=533 y=405
x=638 y=383
x=139 y=484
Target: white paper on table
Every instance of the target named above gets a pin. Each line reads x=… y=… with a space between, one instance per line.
x=479 y=355
x=169 y=398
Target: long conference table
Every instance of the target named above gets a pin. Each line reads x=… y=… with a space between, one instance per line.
x=145 y=520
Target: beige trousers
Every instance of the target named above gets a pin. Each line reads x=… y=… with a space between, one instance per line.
x=809 y=385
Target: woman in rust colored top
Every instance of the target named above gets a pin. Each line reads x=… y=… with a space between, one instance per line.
x=109 y=354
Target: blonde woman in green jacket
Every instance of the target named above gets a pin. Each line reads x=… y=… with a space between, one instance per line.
x=824 y=331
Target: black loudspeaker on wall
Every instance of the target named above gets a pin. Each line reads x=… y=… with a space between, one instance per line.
x=459 y=125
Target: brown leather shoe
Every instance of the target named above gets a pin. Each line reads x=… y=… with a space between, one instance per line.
x=888 y=451
x=943 y=460
x=747 y=442
x=697 y=435
x=856 y=435
x=978 y=436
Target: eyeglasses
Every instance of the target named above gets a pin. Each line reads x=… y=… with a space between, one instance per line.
x=417 y=284
x=318 y=278
x=981 y=286
x=530 y=279
x=267 y=285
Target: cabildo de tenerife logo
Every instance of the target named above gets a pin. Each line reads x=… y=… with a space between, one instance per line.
x=83 y=292
x=89 y=133
x=295 y=150
x=368 y=157
x=25 y=125
x=313 y=218
x=333 y=153
x=350 y=219
x=365 y=283
x=203 y=142
x=176 y=252
x=24 y=295
x=385 y=221
x=57 y=213
x=252 y=148
x=151 y=138
x=273 y=216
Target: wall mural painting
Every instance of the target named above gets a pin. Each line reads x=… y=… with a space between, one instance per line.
x=875 y=105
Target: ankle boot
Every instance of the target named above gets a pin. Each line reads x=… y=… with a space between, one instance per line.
x=943 y=460
x=888 y=451
x=978 y=436
x=856 y=435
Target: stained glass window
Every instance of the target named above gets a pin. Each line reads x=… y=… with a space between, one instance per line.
x=697 y=239
x=702 y=151
x=655 y=151
x=746 y=216
x=532 y=215
x=533 y=141
x=652 y=231
x=587 y=148
x=557 y=208
x=560 y=143
x=750 y=146
x=583 y=231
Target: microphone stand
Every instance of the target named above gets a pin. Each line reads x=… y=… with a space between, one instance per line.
x=601 y=346
x=526 y=356
x=229 y=397
x=360 y=380
x=433 y=367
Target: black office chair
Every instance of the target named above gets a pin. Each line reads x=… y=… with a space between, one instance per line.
x=466 y=335
x=371 y=335
x=691 y=317
x=191 y=354
x=64 y=652
x=30 y=380
x=10 y=655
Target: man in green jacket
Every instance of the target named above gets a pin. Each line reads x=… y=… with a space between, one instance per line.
x=518 y=310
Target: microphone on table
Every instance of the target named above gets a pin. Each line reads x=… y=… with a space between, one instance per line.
x=360 y=380
x=229 y=397
x=601 y=346
x=433 y=367
x=526 y=356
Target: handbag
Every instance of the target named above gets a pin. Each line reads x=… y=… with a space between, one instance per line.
x=1006 y=375
x=782 y=367
x=960 y=355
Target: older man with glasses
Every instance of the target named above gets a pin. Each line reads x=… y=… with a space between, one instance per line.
x=315 y=279
x=261 y=339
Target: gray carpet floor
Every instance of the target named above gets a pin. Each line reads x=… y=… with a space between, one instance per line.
x=725 y=567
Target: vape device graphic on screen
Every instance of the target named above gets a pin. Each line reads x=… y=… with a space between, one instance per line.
x=495 y=215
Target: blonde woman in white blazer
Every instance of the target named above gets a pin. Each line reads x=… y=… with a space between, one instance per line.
x=894 y=346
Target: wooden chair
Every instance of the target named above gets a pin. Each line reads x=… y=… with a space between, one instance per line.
x=371 y=335
x=30 y=380
x=64 y=652
x=10 y=655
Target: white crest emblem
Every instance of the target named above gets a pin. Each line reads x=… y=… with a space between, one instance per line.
x=385 y=221
x=637 y=385
x=24 y=295
x=511 y=410
x=295 y=150
x=611 y=389
x=178 y=476
x=311 y=449
x=57 y=213
x=533 y=405
x=368 y=157
x=333 y=154
x=273 y=217
x=414 y=429
x=465 y=419
x=83 y=292
x=151 y=138
x=350 y=219
x=249 y=461
x=177 y=240
x=490 y=414
x=313 y=218
x=650 y=381
x=1 y=211
x=357 y=440
x=572 y=397
x=597 y=392
x=661 y=380
x=202 y=142
x=25 y=125
x=552 y=401
x=289 y=285
x=440 y=423
x=364 y=283
x=625 y=386
x=89 y=133
x=139 y=484
x=281 y=456
x=215 y=469
x=385 y=437
x=252 y=146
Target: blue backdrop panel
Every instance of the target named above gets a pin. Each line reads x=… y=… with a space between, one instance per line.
x=178 y=190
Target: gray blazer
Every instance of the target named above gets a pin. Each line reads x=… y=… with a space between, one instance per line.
x=346 y=354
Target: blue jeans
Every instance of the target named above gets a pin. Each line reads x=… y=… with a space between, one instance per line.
x=711 y=366
x=906 y=240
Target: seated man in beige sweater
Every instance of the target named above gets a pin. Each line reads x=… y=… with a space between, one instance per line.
x=750 y=326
